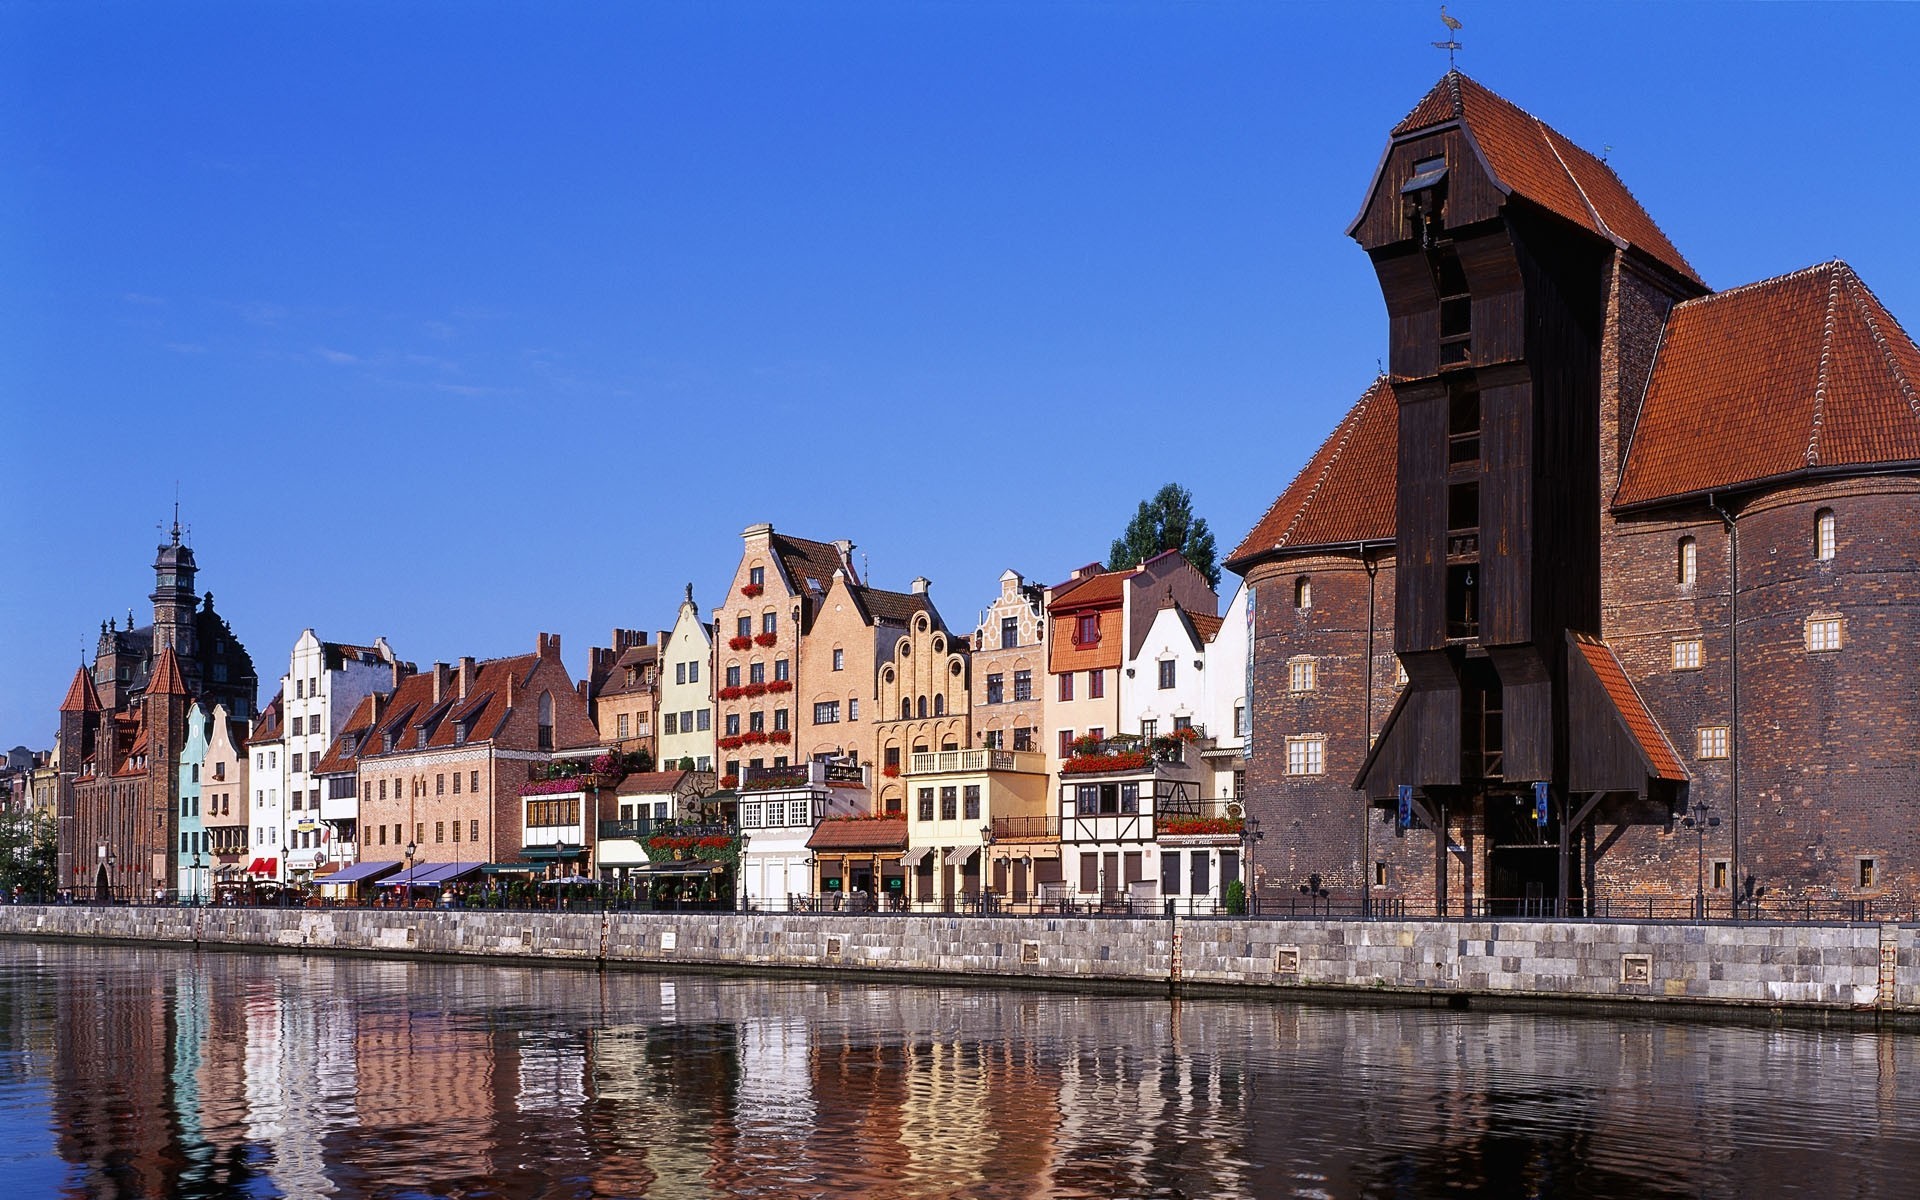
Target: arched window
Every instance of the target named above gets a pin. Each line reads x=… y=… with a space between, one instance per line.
x=923 y=707
x=1686 y=561
x=906 y=708
x=939 y=706
x=1303 y=592
x=546 y=721
x=1823 y=534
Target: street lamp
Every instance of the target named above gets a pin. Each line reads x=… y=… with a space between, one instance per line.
x=1314 y=893
x=195 y=878
x=1700 y=822
x=406 y=889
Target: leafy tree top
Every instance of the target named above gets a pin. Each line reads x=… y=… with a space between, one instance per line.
x=1166 y=522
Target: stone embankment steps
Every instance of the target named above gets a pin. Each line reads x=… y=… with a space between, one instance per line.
x=1834 y=968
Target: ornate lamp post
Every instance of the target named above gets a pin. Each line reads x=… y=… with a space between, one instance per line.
x=1700 y=821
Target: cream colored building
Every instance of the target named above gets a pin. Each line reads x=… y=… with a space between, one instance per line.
x=924 y=699
x=855 y=626
x=978 y=820
x=686 y=691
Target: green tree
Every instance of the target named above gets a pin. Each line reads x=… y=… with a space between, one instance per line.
x=29 y=852
x=1166 y=522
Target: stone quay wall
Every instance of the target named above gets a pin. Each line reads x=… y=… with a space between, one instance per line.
x=1824 y=968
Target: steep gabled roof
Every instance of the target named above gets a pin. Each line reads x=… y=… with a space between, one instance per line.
x=805 y=560
x=898 y=607
x=1531 y=159
x=343 y=754
x=1345 y=494
x=167 y=680
x=81 y=696
x=266 y=727
x=1800 y=375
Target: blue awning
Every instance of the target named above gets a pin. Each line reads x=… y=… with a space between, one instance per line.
x=432 y=874
x=360 y=873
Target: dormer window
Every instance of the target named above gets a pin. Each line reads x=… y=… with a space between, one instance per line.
x=1086 y=629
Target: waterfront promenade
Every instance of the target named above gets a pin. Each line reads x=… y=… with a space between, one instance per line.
x=1806 y=968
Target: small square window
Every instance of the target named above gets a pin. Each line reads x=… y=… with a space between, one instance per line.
x=1686 y=654
x=1712 y=741
x=1823 y=633
x=1302 y=675
x=1306 y=756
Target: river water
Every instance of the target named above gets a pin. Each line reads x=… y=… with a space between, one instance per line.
x=131 y=1072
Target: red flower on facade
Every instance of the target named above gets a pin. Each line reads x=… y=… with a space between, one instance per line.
x=891 y=771
x=1088 y=764
x=754 y=689
x=739 y=643
x=729 y=693
x=750 y=590
x=729 y=781
x=780 y=737
x=780 y=685
x=764 y=639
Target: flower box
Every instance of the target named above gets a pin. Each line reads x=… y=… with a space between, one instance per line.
x=764 y=639
x=890 y=771
x=754 y=689
x=780 y=685
x=731 y=693
x=729 y=781
x=1087 y=764
x=1198 y=826
x=750 y=590
x=739 y=643
x=780 y=737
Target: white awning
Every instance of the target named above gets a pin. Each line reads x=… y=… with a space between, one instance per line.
x=913 y=856
x=961 y=854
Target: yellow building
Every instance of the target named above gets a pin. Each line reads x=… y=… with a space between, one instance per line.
x=978 y=820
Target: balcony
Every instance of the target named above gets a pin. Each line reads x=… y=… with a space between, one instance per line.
x=1026 y=829
x=628 y=830
x=946 y=762
x=1127 y=753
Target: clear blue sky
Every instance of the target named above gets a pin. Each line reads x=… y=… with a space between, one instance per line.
x=455 y=323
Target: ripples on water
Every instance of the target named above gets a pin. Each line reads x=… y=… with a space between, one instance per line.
x=149 y=1073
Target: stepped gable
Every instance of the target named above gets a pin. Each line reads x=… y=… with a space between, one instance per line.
x=1802 y=375
x=81 y=696
x=1529 y=158
x=1345 y=494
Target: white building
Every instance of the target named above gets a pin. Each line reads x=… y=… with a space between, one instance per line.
x=267 y=777
x=1225 y=710
x=778 y=813
x=324 y=682
x=686 y=691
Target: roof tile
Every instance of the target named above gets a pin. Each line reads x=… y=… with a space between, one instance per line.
x=1790 y=376
x=1640 y=723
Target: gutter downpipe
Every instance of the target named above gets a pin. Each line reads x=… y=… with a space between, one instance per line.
x=1733 y=677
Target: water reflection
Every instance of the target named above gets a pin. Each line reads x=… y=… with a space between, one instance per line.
x=135 y=1073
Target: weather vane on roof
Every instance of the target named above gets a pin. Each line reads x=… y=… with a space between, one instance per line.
x=1451 y=46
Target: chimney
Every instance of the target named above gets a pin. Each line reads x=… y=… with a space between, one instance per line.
x=441 y=676
x=375 y=702
x=844 y=548
x=920 y=585
x=510 y=687
x=466 y=675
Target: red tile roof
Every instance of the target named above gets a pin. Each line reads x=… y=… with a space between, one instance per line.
x=1345 y=493
x=343 y=755
x=81 y=696
x=1633 y=710
x=886 y=833
x=266 y=727
x=1207 y=627
x=803 y=559
x=1803 y=374
x=1107 y=587
x=167 y=680
x=1530 y=159
x=650 y=783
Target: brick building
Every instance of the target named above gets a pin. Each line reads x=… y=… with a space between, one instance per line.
x=623 y=692
x=1010 y=666
x=439 y=765
x=1644 y=553
x=123 y=724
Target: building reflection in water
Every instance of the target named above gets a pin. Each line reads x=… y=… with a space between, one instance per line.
x=223 y=1074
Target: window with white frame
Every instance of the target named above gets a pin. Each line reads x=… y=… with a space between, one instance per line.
x=827 y=712
x=1711 y=741
x=1302 y=675
x=1306 y=756
x=1823 y=633
x=1686 y=654
x=1823 y=535
x=1686 y=561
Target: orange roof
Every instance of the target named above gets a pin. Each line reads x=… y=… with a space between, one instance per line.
x=1531 y=159
x=1798 y=375
x=860 y=833
x=1344 y=494
x=81 y=696
x=167 y=680
x=342 y=755
x=1207 y=627
x=1106 y=587
x=1633 y=710
x=650 y=783
x=266 y=727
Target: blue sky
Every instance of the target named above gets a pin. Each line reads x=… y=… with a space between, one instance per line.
x=455 y=323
